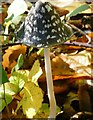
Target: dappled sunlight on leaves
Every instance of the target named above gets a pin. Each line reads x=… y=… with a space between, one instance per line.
x=44 y=111
x=29 y=103
x=80 y=62
x=72 y=64
x=19 y=77
x=35 y=72
x=10 y=88
x=8 y=98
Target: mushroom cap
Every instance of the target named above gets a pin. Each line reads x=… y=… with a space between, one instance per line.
x=43 y=27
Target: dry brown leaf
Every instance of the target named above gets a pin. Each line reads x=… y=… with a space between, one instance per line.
x=90 y=34
x=71 y=66
x=59 y=67
x=82 y=39
x=5 y=61
x=3 y=14
x=61 y=11
x=11 y=55
x=80 y=62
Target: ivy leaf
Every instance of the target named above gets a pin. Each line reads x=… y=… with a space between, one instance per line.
x=19 y=63
x=67 y=105
x=18 y=78
x=35 y=72
x=29 y=103
x=2 y=102
x=44 y=111
x=78 y=10
x=3 y=75
x=10 y=88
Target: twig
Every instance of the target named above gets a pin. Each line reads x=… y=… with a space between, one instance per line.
x=80 y=44
x=80 y=31
x=5 y=46
x=6 y=104
x=7 y=34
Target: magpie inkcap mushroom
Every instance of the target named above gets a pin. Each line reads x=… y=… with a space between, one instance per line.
x=43 y=26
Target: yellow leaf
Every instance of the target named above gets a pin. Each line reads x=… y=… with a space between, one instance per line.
x=32 y=99
x=35 y=72
x=19 y=78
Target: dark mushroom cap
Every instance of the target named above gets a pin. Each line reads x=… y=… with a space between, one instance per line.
x=43 y=27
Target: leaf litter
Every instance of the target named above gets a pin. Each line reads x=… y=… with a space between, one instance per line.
x=70 y=65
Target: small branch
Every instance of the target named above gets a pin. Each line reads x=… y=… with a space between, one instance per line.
x=8 y=45
x=1 y=34
x=80 y=44
x=80 y=31
x=8 y=112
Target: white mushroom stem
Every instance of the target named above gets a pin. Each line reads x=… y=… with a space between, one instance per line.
x=49 y=80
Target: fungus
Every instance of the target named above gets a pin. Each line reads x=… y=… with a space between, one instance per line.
x=43 y=28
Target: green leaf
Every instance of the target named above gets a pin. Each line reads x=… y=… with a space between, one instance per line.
x=44 y=111
x=41 y=52
x=67 y=105
x=9 y=18
x=19 y=63
x=18 y=78
x=78 y=10
x=9 y=88
x=3 y=75
x=2 y=102
x=35 y=72
x=32 y=99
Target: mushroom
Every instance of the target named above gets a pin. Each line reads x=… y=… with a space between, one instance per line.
x=43 y=28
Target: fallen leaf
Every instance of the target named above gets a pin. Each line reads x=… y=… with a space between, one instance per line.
x=61 y=11
x=59 y=68
x=35 y=72
x=90 y=35
x=82 y=39
x=11 y=55
x=3 y=11
x=29 y=103
x=80 y=62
